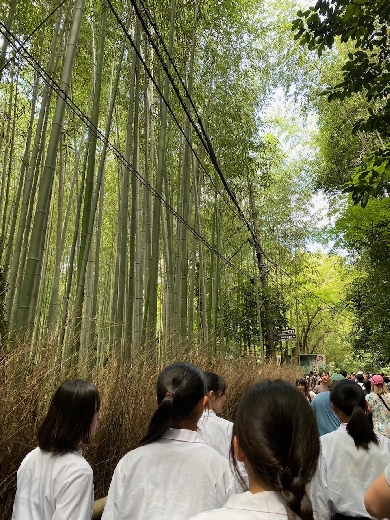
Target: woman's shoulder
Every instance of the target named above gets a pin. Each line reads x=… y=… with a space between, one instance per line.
x=219 y=514
x=64 y=464
x=249 y=506
x=335 y=440
x=70 y=461
x=220 y=421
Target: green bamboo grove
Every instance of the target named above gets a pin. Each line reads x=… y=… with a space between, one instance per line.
x=140 y=204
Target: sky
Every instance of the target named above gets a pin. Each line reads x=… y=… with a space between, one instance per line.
x=295 y=139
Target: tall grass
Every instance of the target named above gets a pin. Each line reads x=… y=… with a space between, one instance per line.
x=128 y=402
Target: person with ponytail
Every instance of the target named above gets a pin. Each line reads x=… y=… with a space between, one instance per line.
x=276 y=438
x=351 y=458
x=215 y=431
x=173 y=474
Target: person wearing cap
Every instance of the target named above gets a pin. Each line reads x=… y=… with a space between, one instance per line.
x=378 y=404
x=327 y=420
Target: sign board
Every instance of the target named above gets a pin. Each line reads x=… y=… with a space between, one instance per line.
x=285 y=337
x=286 y=331
x=312 y=362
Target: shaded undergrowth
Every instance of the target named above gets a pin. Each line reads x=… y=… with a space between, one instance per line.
x=128 y=401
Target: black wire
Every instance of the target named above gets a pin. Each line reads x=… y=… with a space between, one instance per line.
x=202 y=134
x=208 y=144
x=34 y=31
x=168 y=105
x=78 y=112
x=154 y=25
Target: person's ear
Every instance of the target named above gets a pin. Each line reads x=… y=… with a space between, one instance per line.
x=237 y=450
x=211 y=395
x=205 y=400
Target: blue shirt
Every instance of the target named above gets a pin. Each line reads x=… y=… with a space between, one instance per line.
x=327 y=420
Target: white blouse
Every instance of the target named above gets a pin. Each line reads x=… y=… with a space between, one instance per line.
x=173 y=478
x=344 y=473
x=54 y=487
x=268 y=505
x=216 y=432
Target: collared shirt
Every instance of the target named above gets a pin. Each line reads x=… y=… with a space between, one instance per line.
x=266 y=505
x=344 y=473
x=52 y=485
x=327 y=420
x=216 y=432
x=173 y=478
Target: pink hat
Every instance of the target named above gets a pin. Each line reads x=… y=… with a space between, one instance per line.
x=377 y=380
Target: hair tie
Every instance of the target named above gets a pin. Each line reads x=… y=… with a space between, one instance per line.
x=355 y=404
x=170 y=394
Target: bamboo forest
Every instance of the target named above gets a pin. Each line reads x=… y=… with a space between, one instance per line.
x=191 y=172
x=194 y=181
x=197 y=171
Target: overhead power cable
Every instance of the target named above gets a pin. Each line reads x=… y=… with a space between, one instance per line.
x=99 y=134
x=35 y=30
x=206 y=141
x=201 y=133
x=20 y=45
x=166 y=102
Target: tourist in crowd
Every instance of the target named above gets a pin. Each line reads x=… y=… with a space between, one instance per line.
x=367 y=386
x=323 y=385
x=360 y=379
x=54 y=481
x=327 y=420
x=378 y=404
x=216 y=431
x=173 y=474
x=351 y=457
x=302 y=385
x=276 y=437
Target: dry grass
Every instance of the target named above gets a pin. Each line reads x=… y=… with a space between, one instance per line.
x=128 y=401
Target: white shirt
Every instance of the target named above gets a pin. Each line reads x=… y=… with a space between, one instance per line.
x=268 y=505
x=173 y=478
x=387 y=474
x=216 y=432
x=344 y=473
x=54 y=487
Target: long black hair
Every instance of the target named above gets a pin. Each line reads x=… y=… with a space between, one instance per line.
x=277 y=432
x=215 y=383
x=69 y=418
x=348 y=396
x=180 y=387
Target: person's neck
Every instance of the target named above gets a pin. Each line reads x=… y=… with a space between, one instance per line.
x=188 y=424
x=256 y=485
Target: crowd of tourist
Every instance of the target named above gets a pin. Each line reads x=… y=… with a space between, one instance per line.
x=316 y=451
